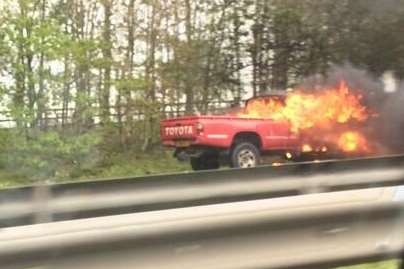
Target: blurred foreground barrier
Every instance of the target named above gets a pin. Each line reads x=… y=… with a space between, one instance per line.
x=47 y=203
x=305 y=231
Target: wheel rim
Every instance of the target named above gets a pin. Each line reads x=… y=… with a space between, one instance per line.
x=246 y=158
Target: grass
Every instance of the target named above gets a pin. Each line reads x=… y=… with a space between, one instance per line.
x=140 y=164
x=8 y=180
x=115 y=165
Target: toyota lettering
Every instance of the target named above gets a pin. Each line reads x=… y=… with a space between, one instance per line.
x=179 y=131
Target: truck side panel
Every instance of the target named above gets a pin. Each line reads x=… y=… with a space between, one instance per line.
x=217 y=132
x=220 y=131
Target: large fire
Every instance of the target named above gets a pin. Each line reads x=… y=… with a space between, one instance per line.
x=327 y=117
x=353 y=141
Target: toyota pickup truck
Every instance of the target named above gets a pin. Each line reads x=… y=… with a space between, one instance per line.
x=210 y=141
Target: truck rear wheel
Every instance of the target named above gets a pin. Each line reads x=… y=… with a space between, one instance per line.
x=244 y=155
x=205 y=162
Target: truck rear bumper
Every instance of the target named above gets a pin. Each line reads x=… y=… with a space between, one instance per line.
x=185 y=154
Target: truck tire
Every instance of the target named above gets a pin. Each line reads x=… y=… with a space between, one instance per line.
x=205 y=162
x=244 y=155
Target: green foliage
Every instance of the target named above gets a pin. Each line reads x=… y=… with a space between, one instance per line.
x=81 y=161
x=48 y=155
x=129 y=85
x=139 y=164
x=84 y=52
x=27 y=158
x=83 y=100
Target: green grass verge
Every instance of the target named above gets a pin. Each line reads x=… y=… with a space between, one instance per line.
x=140 y=164
x=115 y=165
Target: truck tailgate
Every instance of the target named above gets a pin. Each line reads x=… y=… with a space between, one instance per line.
x=179 y=129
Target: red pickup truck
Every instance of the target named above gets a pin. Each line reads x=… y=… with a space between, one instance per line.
x=209 y=141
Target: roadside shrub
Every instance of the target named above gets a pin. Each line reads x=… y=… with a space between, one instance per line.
x=46 y=155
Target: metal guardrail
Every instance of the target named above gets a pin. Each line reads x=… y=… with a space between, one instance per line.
x=306 y=231
x=39 y=204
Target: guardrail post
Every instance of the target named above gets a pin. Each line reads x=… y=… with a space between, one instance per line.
x=41 y=198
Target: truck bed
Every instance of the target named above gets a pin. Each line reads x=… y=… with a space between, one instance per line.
x=220 y=131
x=213 y=117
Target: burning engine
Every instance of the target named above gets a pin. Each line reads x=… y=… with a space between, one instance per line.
x=327 y=119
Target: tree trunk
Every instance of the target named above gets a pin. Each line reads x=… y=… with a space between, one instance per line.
x=107 y=54
x=237 y=59
x=150 y=78
x=66 y=92
x=41 y=102
x=189 y=91
x=126 y=105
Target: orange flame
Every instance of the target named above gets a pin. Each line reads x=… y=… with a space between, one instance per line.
x=263 y=108
x=353 y=141
x=307 y=148
x=323 y=112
